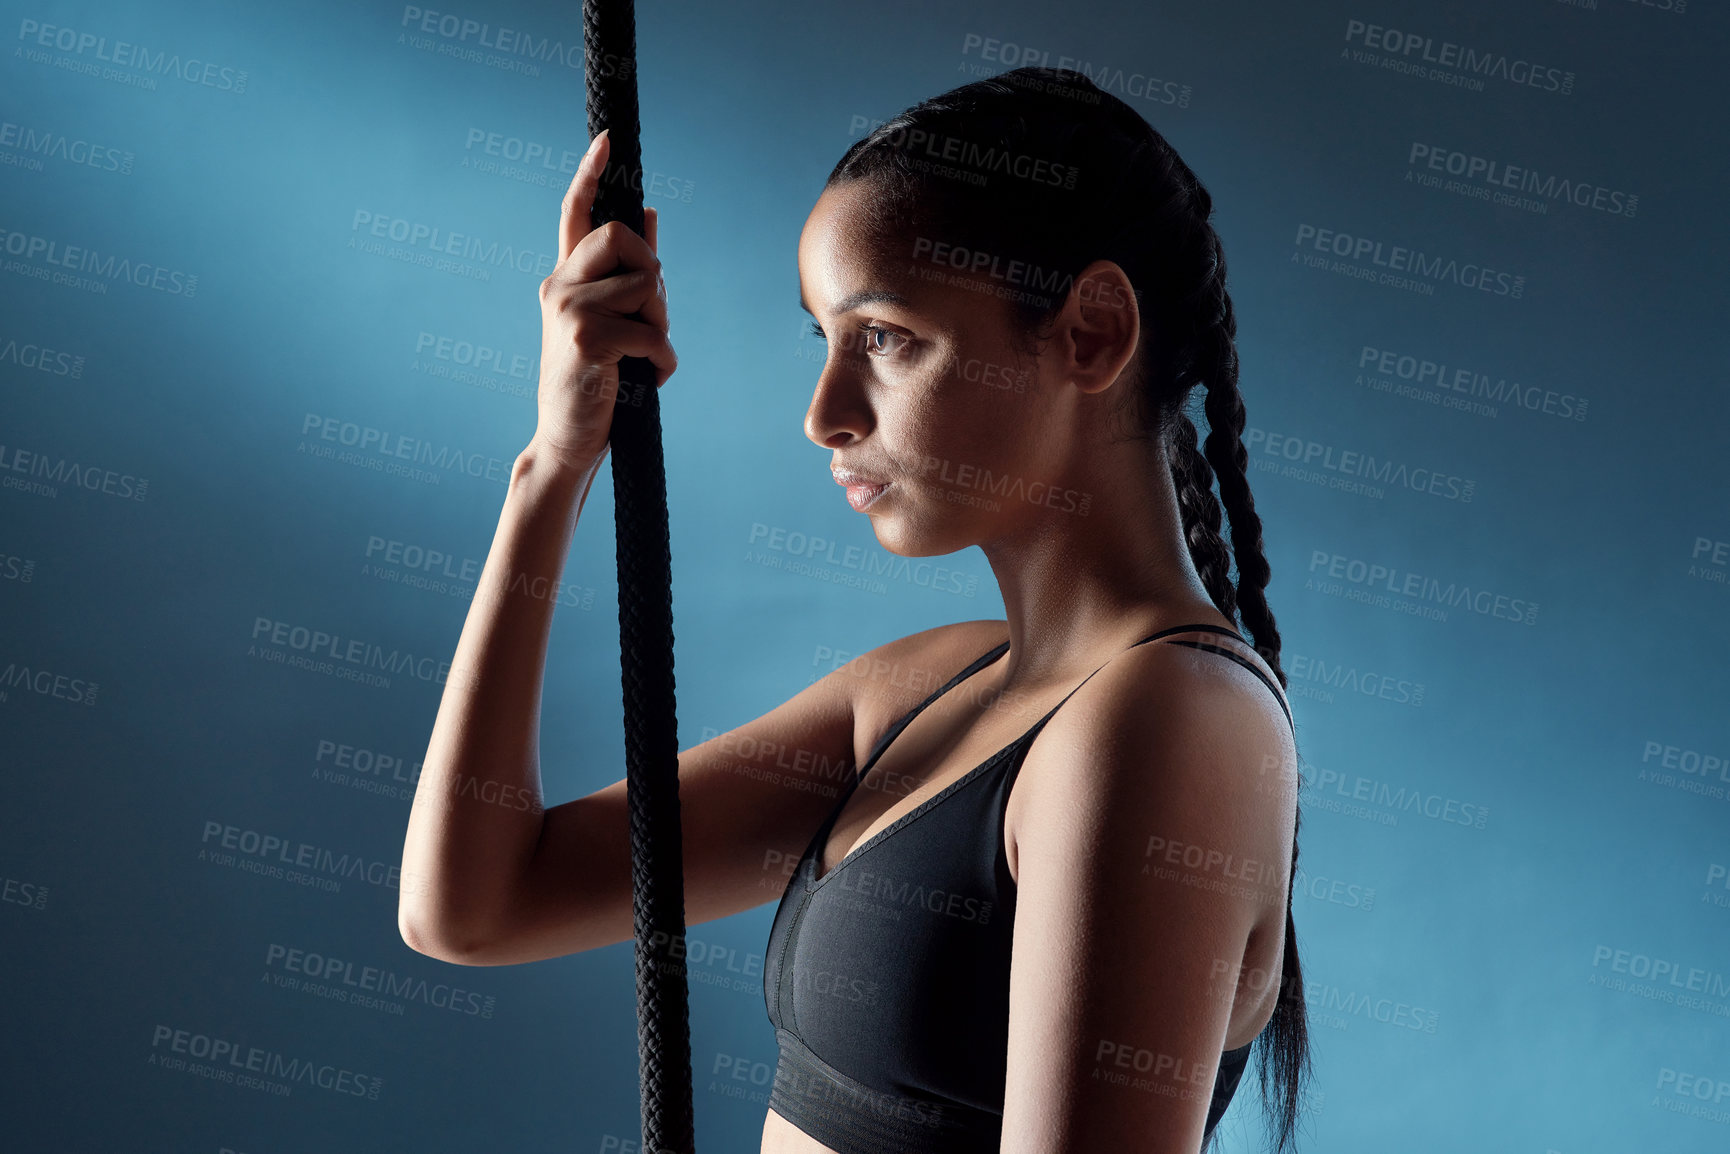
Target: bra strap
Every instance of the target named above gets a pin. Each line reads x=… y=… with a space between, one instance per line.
x=1224 y=652
x=906 y=718
x=1191 y=629
x=1143 y=641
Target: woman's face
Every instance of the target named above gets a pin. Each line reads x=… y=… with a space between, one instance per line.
x=925 y=388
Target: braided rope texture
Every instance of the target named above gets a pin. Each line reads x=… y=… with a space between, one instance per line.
x=645 y=624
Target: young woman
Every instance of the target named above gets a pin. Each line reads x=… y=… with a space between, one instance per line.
x=1051 y=911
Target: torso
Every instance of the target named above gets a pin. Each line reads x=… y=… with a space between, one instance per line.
x=949 y=738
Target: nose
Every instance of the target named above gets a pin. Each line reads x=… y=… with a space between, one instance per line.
x=840 y=412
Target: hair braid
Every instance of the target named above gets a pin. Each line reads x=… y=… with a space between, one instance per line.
x=1286 y=1049
x=1193 y=479
x=1225 y=451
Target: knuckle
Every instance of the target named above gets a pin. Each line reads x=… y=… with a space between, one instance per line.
x=585 y=332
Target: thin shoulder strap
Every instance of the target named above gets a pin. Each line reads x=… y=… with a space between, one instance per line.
x=1190 y=629
x=906 y=718
x=1220 y=649
x=997 y=651
x=1143 y=641
x=1224 y=652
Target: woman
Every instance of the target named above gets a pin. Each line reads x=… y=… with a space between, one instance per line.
x=1020 y=290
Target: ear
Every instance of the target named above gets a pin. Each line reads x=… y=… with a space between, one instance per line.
x=1099 y=327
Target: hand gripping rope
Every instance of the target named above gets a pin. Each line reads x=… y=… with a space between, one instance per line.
x=645 y=624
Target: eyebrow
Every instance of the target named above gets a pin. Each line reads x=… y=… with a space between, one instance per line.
x=866 y=297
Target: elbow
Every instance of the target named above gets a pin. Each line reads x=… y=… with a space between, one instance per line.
x=435 y=939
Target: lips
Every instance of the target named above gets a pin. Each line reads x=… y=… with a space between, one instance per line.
x=859 y=496
x=853 y=480
x=862 y=489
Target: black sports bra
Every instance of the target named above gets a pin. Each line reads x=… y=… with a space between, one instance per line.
x=887 y=979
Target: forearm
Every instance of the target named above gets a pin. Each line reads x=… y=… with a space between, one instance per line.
x=478 y=807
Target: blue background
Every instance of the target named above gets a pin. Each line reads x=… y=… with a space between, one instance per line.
x=157 y=716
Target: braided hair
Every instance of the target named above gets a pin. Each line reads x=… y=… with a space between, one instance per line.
x=1040 y=166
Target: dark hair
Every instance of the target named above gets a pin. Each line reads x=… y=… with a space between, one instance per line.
x=1039 y=171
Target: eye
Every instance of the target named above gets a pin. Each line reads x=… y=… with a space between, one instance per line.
x=870 y=332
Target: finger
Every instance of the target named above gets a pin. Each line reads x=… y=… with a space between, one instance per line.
x=610 y=253
x=579 y=199
x=606 y=251
x=622 y=336
x=652 y=220
x=639 y=294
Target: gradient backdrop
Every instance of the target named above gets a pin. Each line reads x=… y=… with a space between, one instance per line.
x=1506 y=636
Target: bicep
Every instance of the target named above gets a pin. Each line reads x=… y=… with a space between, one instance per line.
x=1145 y=863
x=750 y=800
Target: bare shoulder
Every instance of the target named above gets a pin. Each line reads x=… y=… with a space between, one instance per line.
x=891 y=679
x=1169 y=737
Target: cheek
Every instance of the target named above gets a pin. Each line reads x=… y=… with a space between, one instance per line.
x=966 y=435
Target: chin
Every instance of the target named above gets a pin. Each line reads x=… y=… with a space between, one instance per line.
x=906 y=537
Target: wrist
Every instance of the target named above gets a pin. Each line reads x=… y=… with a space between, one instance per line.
x=546 y=461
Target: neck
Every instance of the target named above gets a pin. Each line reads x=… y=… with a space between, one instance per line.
x=1078 y=589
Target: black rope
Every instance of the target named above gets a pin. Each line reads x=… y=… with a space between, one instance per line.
x=645 y=623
